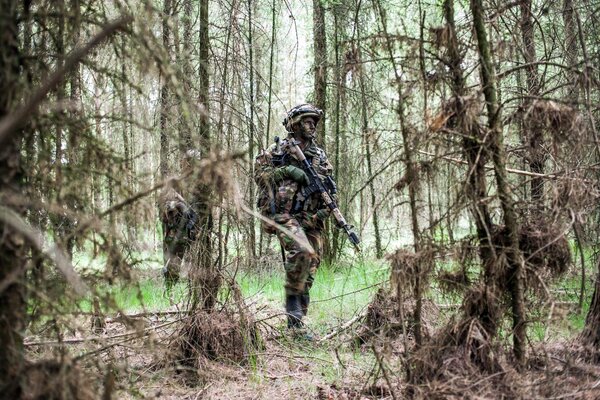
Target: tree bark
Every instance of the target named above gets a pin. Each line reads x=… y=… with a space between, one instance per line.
x=185 y=133
x=367 y=143
x=411 y=172
x=590 y=336
x=514 y=257
x=203 y=46
x=320 y=48
x=476 y=154
x=537 y=157
x=572 y=50
x=164 y=95
x=205 y=277
x=12 y=250
x=251 y=183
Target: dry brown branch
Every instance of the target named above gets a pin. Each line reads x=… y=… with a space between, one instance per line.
x=137 y=332
x=555 y=175
x=344 y=326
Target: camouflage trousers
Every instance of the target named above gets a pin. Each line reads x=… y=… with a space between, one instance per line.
x=172 y=260
x=302 y=249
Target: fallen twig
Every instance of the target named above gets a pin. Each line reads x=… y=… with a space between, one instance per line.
x=139 y=333
x=345 y=326
x=349 y=293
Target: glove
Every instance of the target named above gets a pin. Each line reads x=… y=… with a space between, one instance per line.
x=323 y=213
x=297 y=174
x=311 y=152
x=291 y=172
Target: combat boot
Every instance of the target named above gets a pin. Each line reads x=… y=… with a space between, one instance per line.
x=304 y=303
x=293 y=309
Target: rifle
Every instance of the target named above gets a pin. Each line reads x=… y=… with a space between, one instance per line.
x=317 y=186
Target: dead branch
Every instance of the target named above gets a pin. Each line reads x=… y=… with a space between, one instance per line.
x=553 y=176
x=344 y=326
x=137 y=332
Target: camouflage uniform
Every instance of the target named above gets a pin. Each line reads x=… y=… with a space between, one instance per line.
x=178 y=223
x=278 y=200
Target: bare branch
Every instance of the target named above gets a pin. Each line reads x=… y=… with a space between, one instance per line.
x=10 y=124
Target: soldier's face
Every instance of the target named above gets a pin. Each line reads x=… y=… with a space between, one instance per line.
x=307 y=127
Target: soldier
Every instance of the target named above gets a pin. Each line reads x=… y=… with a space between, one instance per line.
x=280 y=177
x=179 y=223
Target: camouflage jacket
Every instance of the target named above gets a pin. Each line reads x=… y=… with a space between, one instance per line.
x=178 y=219
x=278 y=200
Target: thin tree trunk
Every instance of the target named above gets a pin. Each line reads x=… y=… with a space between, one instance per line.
x=76 y=127
x=366 y=140
x=339 y=73
x=203 y=74
x=514 y=259
x=320 y=46
x=411 y=172
x=205 y=279
x=320 y=97
x=590 y=336
x=185 y=133
x=572 y=50
x=164 y=95
x=12 y=252
x=269 y=99
x=476 y=155
x=127 y=144
x=251 y=184
x=60 y=222
x=537 y=156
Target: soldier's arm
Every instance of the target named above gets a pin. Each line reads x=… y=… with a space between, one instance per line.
x=262 y=168
x=267 y=171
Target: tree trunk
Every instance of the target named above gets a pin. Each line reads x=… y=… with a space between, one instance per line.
x=591 y=331
x=320 y=98
x=164 y=95
x=251 y=184
x=572 y=50
x=205 y=277
x=367 y=143
x=339 y=15
x=185 y=133
x=76 y=126
x=534 y=134
x=12 y=251
x=476 y=156
x=203 y=74
x=411 y=173
x=320 y=48
x=514 y=258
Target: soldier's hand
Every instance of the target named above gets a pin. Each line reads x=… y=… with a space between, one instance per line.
x=323 y=213
x=298 y=175
x=311 y=152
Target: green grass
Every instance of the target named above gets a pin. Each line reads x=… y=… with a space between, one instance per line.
x=144 y=295
x=339 y=292
x=336 y=295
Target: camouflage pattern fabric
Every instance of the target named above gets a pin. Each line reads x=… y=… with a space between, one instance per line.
x=276 y=201
x=301 y=261
x=174 y=215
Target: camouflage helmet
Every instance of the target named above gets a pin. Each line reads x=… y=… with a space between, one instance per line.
x=295 y=114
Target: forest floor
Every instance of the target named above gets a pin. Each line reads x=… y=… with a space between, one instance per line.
x=136 y=344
